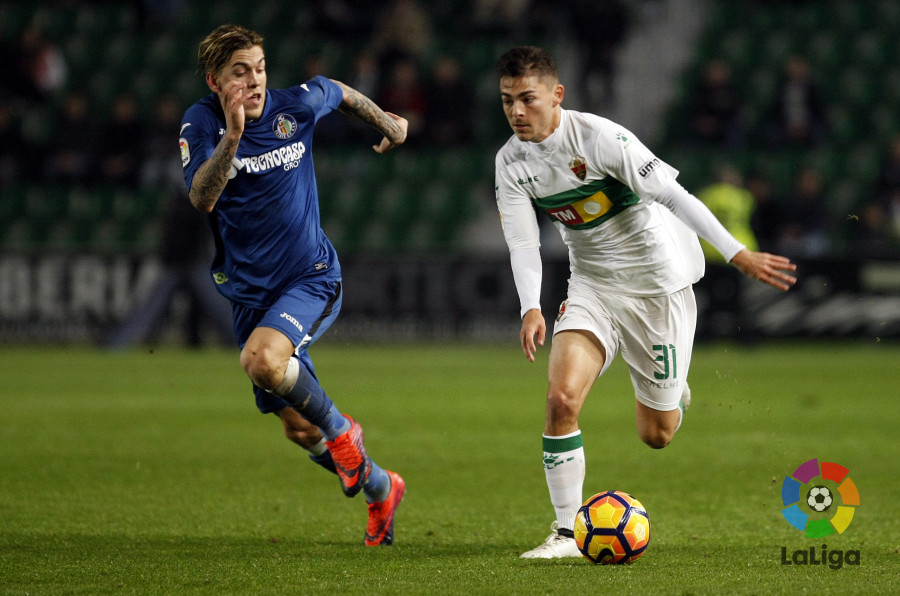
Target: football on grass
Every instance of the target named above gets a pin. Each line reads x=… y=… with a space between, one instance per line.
x=612 y=527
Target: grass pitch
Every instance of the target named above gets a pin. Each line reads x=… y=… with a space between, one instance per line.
x=152 y=472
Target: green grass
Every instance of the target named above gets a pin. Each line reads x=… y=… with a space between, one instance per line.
x=152 y=472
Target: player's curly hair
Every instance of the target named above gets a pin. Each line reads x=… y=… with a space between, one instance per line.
x=219 y=45
x=523 y=61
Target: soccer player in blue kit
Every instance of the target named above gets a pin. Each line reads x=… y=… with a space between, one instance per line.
x=246 y=152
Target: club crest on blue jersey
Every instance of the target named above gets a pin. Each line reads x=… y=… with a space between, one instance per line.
x=284 y=126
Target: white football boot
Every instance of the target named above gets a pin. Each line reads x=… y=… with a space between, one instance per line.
x=685 y=398
x=683 y=404
x=555 y=546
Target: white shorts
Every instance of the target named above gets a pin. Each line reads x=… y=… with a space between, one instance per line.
x=655 y=336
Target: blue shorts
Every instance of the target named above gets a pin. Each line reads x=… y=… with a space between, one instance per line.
x=303 y=313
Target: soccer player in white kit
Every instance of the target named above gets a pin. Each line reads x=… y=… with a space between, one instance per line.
x=631 y=231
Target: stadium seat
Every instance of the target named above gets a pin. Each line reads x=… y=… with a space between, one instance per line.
x=15 y=235
x=849 y=17
x=780 y=44
x=124 y=53
x=857 y=88
x=871 y=50
x=890 y=90
x=887 y=15
x=825 y=52
x=884 y=118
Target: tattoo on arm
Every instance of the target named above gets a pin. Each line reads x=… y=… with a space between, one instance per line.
x=358 y=105
x=211 y=177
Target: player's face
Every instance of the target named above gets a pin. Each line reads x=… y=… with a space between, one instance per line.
x=531 y=105
x=247 y=67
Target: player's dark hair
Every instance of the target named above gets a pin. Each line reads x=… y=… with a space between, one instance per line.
x=224 y=41
x=527 y=60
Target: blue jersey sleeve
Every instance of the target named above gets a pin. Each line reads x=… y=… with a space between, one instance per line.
x=199 y=137
x=320 y=94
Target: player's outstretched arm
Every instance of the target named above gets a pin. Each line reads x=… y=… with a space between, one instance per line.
x=534 y=329
x=392 y=126
x=765 y=267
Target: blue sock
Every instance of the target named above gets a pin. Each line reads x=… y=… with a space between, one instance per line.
x=332 y=424
x=378 y=486
x=324 y=460
x=308 y=398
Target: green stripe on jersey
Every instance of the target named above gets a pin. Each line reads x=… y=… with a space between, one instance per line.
x=589 y=205
x=552 y=445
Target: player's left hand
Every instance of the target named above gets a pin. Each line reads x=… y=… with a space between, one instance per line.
x=533 y=331
x=386 y=143
x=765 y=267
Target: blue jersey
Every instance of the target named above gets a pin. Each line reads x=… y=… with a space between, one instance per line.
x=266 y=222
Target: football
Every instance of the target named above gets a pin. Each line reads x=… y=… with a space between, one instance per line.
x=612 y=527
x=819 y=498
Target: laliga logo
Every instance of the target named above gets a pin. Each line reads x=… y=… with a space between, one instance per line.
x=819 y=498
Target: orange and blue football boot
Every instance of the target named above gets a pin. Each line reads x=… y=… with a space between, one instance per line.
x=350 y=459
x=380 y=529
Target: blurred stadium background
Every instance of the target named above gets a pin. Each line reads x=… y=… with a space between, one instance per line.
x=90 y=183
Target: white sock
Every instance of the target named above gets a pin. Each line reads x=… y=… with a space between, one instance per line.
x=319 y=448
x=564 y=469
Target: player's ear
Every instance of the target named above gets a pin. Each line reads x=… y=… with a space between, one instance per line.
x=211 y=83
x=558 y=93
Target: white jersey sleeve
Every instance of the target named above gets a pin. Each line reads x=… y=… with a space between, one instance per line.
x=522 y=233
x=624 y=157
x=527 y=273
x=517 y=216
x=699 y=218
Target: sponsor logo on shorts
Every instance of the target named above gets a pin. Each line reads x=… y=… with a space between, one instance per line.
x=292 y=321
x=562 y=310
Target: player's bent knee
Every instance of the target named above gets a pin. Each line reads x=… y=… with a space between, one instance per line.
x=263 y=368
x=657 y=438
x=562 y=406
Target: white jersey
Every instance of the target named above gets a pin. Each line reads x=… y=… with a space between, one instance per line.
x=599 y=185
